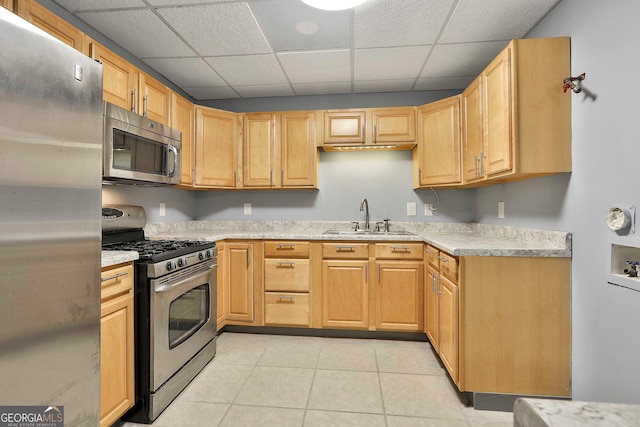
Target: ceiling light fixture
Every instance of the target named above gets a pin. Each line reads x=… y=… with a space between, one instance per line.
x=333 y=4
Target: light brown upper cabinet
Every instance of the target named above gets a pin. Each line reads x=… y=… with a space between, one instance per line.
x=183 y=119
x=524 y=115
x=49 y=22
x=216 y=153
x=279 y=150
x=7 y=4
x=437 y=157
x=390 y=128
x=119 y=77
x=154 y=99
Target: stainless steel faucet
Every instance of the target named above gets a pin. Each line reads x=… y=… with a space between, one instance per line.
x=364 y=206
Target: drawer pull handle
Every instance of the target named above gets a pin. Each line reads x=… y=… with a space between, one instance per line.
x=443 y=259
x=429 y=251
x=286 y=264
x=105 y=279
x=345 y=249
x=286 y=298
x=400 y=249
x=285 y=246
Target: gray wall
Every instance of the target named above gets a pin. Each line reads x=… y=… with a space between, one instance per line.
x=606 y=326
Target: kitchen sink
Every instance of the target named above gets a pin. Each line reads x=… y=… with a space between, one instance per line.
x=369 y=233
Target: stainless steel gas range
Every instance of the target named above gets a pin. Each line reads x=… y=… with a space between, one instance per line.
x=175 y=308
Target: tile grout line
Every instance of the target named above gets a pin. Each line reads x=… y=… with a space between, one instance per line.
x=384 y=409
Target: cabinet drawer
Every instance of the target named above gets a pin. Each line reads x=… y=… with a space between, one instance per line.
x=286 y=309
x=116 y=280
x=345 y=250
x=449 y=266
x=398 y=251
x=432 y=256
x=286 y=249
x=286 y=275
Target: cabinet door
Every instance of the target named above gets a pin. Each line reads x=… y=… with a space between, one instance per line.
x=432 y=312
x=119 y=77
x=216 y=148
x=51 y=23
x=7 y=4
x=116 y=359
x=240 y=281
x=298 y=150
x=258 y=154
x=399 y=296
x=472 y=132
x=439 y=142
x=448 y=295
x=345 y=294
x=344 y=127
x=393 y=125
x=154 y=100
x=183 y=119
x=497 y=117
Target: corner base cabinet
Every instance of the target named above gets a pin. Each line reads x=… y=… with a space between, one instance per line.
x=116 y=343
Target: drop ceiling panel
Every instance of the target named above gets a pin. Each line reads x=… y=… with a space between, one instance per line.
x=317 y=67
x=139 y=31
x=388 y=23
x=180 y=2
x=264 y=91
x=389 y=63
x=218 y=29
x=291 y=25
x=75 y=5
x=484 y=20
x=248 y=70
x=202 y=93
x=186 y=72
x=460 y=59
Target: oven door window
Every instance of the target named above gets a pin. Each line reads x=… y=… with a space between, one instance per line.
x=188 y=313
x=136 y=153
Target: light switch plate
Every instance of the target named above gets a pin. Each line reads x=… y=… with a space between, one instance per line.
x=411 y=209
x=247 y=208
x=500 y=209
x=162 y=211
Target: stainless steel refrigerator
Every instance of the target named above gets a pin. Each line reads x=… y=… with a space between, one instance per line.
x=50 y=212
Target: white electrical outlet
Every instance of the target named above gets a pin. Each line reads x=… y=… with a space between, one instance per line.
x=247 y=208
x=428 y=209
x=411 y=209
x=162 y=211
x=500 y=209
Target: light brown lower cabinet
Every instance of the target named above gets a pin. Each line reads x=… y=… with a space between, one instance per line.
x=239 y=281
x=116 y=343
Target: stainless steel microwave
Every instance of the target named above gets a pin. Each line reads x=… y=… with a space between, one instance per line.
x=138 y=150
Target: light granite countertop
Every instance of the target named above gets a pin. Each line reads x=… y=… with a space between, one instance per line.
x=458 y=239
x=530 y=412
x=110 y=258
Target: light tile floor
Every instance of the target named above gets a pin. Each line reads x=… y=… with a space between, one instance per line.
x=273 y=380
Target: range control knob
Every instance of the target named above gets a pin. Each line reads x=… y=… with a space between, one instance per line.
x=171 y=265
x=209 y=253
x=201 y=256
x=182 y=262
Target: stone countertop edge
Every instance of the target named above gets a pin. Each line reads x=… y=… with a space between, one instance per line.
x=458 y=239
x=110 y=258
x=538 y=412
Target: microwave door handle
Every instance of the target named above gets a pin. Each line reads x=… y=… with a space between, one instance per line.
x=174 y=150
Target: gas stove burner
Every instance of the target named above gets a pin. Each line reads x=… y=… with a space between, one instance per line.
x=158 y=250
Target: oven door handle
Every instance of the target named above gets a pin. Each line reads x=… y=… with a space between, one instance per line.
x=180 y=282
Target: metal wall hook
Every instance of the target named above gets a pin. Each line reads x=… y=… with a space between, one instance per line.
x=573 y=83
